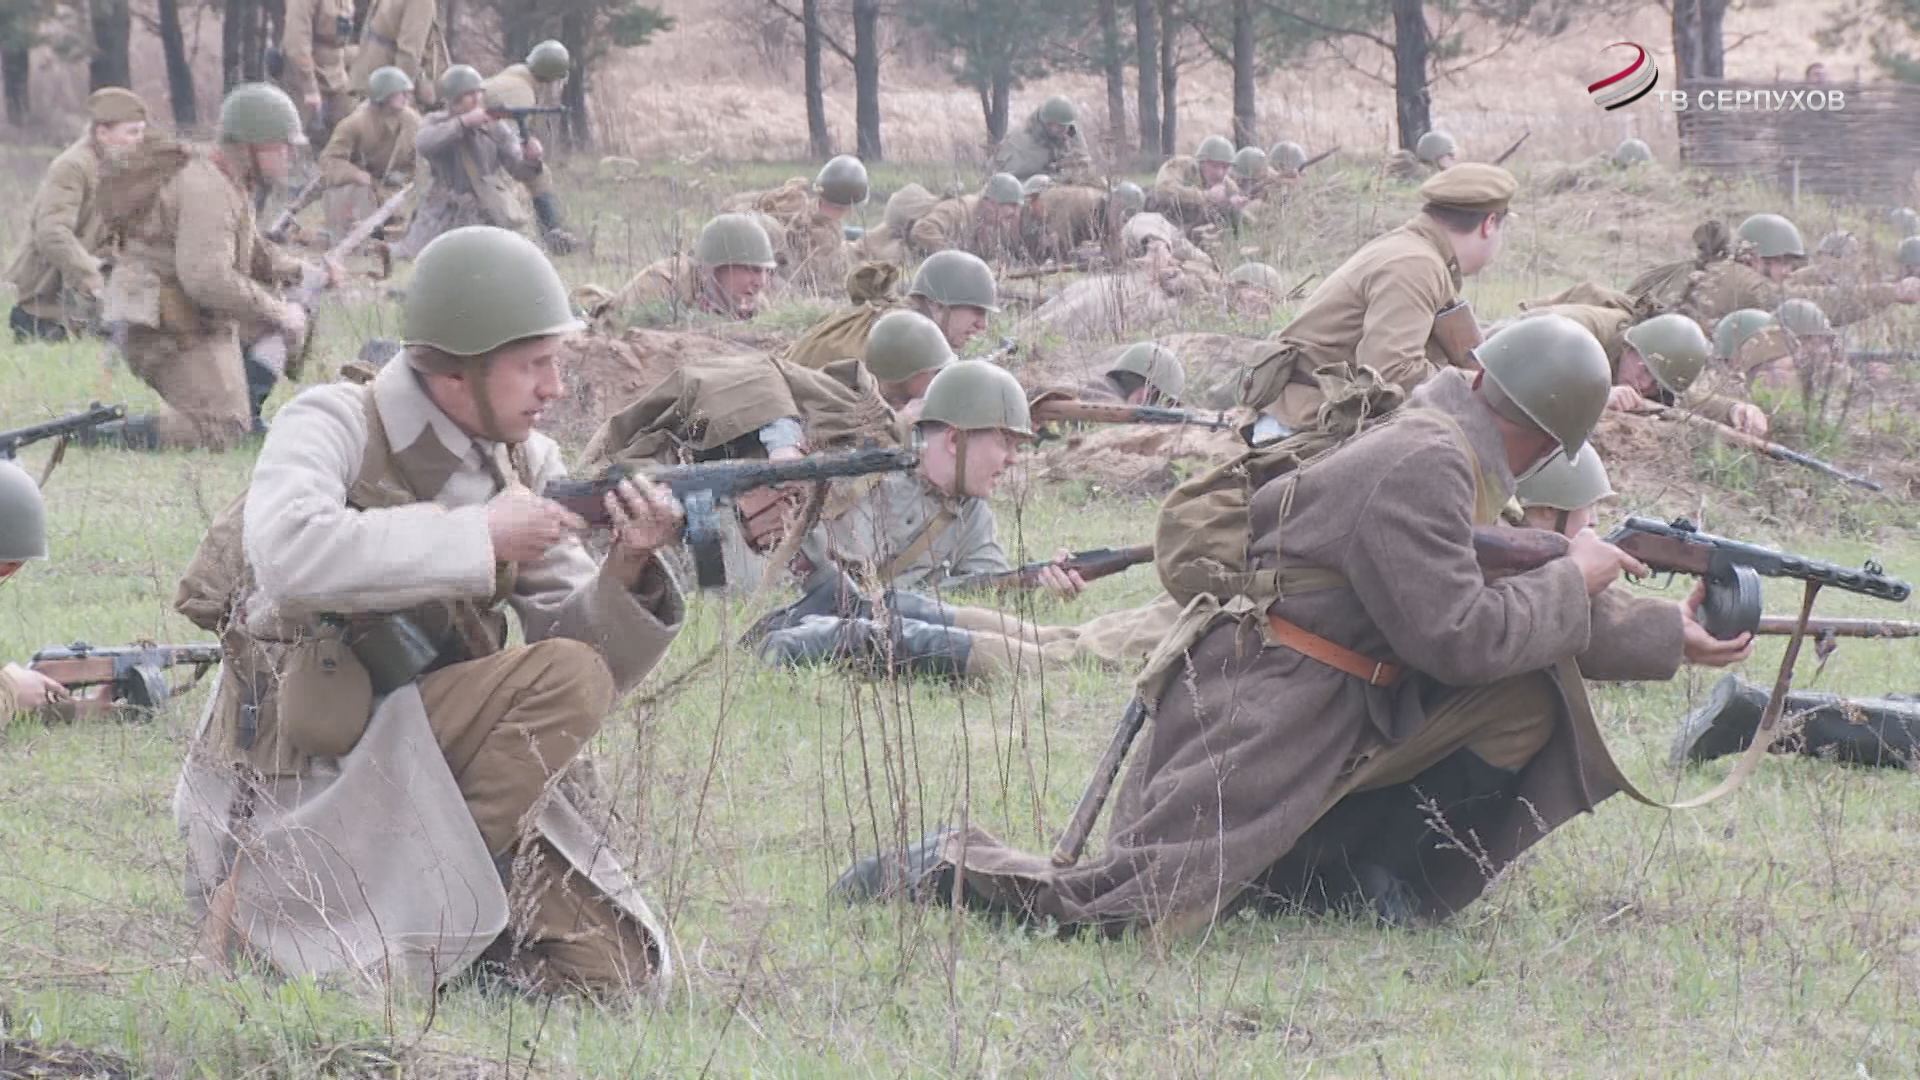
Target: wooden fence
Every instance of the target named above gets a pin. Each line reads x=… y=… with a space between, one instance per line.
x=1863 y=145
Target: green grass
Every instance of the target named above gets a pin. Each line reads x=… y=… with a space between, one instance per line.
x=1773 y=933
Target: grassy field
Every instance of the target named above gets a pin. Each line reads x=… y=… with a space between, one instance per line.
x=1775 y=933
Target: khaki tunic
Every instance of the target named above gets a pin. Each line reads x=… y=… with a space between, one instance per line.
x=1064 y=218
x=955 y=224
x=812 y=247
x=1029 y=150
x=473 y=173
x=373 y=863
x=316 y=56
x=370 y=154
x=1728 y=286
x=193 y=279
x=1179 y=192
x=1610 y=325
x=9 y=696
x=1375 y=311
x=664 y=291
x=403 y=34
x=59 y=260
x=1250 y=742
x=882 y=528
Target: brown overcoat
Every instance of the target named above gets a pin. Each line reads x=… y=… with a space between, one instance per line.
x=59 y=257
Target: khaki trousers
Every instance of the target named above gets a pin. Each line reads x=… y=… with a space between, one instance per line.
x=508 y=724
x=200 y=378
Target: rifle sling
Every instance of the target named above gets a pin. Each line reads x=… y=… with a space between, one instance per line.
x=918 y=546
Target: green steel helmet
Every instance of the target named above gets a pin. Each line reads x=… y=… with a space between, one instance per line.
x=1906 y=221
x=1909 y=252
x=477 y=288
x=1058 y=110
x=1287 y=155
x=1733 y=330
x=1215 y=148
x=1257 y=274
x=1674 y=347
x=260 y=113
x=1839 y=244
x=903 y=344
x=955 y=278
x=1156 y=365
x=1772 y=236
x=1803 y=318
x=1130 y=196
x=1435 y=145
x=1631 y=152
x=843 y=181
x=23 y=516
x=459 y=79
x=1035 y=184
x=386 y=82
x=1002 y=188
x=1249 y=162
x=734 y=240
x=1563 y=484
x=973 y=395
x=549 y=61
x=1553 y=371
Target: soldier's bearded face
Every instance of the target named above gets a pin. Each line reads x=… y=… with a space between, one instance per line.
x=741 y=287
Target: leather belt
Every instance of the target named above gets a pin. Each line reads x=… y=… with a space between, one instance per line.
x=1338 y=657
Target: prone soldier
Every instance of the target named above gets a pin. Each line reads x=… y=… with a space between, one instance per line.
x=23 y=537
x=1760 y=274
x=1435 y=151
x=986 y=224
x=732 y=262
x=1662 y=361
x=1197 y=189
x=811 y=217
x=955 y=289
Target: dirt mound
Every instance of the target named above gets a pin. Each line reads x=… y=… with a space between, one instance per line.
x=20 y=1058
x=605 y=374
x=1138 y=460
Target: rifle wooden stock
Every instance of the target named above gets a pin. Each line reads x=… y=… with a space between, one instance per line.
x=1073 y=839
x=1318 y=158
x=1736 y=437
x=1457 y=333
x=1092 y=565
x=1073 y=410
x=1511 y=150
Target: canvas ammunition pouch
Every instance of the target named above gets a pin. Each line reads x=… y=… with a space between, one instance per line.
x=1456 y=333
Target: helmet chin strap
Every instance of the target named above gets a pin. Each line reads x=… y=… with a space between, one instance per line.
x=476 y=375
x=960 y=437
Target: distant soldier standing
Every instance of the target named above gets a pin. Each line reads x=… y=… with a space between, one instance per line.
x=194 y=282
x=539 y=80
x=403 y=34
x=313 y=46
x=474 y=159
x=371 y=152
x=59 y=273
x=1049 y=142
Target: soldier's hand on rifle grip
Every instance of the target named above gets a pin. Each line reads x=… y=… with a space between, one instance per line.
x=1701 y=648
x=1600 y=563
x=1059 y=580
x=1907 y=290
x=1625 y=399
x=33 y=690
x=475 y=117
x=524 y=527
x=336 y=271
x=532 y=151
x=293 y=320
x=646 y=518
x=1750 y=419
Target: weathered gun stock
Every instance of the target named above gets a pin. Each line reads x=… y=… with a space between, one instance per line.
x=1092 y=565
x=1758 y=445
x=522 y=113
x=60 y=427
x=1073 y=410
x=272 y=351
x=702 y=489
x=133 y=676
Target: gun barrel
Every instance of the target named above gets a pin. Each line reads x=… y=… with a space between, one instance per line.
x=1101 y=412
x=91 y=417
x=725 y=479
x=1758 y=445
x=1712 y=550
x=1092 y=564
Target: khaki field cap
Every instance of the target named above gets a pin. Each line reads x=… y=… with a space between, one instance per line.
x=1906 y=221
x=1249 y=162
x=1803 y=318
x=1552 y=370
x=1129 y=196
x=973 y=395
x=1733 y=330
x=1472 y=185
x=1433 y=146
x=1002 y=188
x=260 y=113
x=1215 y=148
x=23 y=517
x=1287 y=155
x=1058 y=110
x=1909 y=252
x=843 y=181
x=1156 y=365
x=903 y=344
x=734 y=240
x=1674 y=348
x=459 y=79
x=549 y=61
x=1260 y=274
x=1772 y=236
x=477 y=288
x=1631 y=152
x=1567 y=485
x=956 y=279
x=115 y=105
x=386 y=82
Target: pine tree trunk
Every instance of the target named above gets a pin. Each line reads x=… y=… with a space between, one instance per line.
x=1713 y=41
x=16 y=71
x=1113 y=62
x=1245 y=114
x=995 y=100
x=1412 y=105
x=574 y=34
x=819 y=140
x=1685 y=21
x=186 y=110
x=1146 y=30
x=1169 y=80
x=866 y=79
x=110 y=64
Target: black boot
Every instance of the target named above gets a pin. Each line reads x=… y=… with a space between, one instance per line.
x=553 y=228
x=837 y=596
x=1723 y=724
x=902 y=646
x=918 y=873
x=133 y=433
x=260 y=383
x=1862 y=731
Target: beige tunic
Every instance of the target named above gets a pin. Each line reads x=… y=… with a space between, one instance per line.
x=882 y=528
x=403 y=34
x=1730 y=285
x=315 y=49
x=1610 y=325
x=59 y=257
